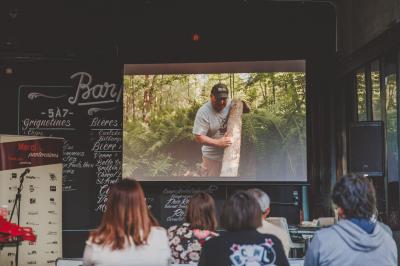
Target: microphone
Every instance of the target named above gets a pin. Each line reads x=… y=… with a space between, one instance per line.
x=27 y=170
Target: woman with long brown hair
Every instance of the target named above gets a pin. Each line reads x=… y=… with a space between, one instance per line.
x=187 y=240
x=128 y=233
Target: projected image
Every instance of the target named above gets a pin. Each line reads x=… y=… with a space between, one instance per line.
x=175 y=126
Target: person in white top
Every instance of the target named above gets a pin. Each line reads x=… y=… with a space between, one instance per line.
x=266 y=227
x=128 y=234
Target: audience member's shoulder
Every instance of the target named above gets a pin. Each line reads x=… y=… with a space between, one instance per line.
x=326 y=230
x=214 y=241
x=385 y=228
x=89 y=242
x=387 y=234
x=268 y=235
x=158 y=230
x=158 y=235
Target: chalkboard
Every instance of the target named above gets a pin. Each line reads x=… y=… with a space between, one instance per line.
x=168 y=202
x=87 y=113
x=89 y=171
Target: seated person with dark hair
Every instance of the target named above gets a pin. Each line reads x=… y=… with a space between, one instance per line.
x=242 y=244
x=200 y=224
x=357 y=239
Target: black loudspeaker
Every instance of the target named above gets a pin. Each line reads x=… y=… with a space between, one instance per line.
x=366 y=148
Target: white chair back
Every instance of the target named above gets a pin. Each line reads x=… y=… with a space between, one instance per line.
x=282 y=223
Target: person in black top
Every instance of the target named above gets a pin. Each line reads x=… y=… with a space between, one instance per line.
x=242 y=245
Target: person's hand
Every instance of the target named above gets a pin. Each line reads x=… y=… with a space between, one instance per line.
x=225 y=141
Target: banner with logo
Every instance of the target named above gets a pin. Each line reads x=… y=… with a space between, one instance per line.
x=38 y=161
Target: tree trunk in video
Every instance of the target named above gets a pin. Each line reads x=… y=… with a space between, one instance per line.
x=231 y=159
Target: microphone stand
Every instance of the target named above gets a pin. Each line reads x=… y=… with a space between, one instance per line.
x=18 y=199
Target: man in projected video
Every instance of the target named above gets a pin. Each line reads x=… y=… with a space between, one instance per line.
x=210 y=129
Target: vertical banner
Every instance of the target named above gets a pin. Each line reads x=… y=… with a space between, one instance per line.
x=38 y=162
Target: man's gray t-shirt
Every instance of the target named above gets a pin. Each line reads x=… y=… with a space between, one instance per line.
x=212 y=124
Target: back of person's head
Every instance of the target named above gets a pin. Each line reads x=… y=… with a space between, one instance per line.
x=261 y=197
x=200 y=212
x=241 y=212
x=126 y=217
x=355 y=194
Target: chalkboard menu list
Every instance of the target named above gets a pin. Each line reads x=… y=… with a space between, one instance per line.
x=169 y=202
x=106 y=146
x=88 y=116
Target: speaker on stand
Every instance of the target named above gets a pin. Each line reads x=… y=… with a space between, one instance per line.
x=366 y=156
x=366 y=151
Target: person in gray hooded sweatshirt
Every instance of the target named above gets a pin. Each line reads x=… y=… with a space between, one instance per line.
x=357 y=239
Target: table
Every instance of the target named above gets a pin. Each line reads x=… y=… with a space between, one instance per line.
x=301 y=234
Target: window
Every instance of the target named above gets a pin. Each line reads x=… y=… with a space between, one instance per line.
x=361 y=95
x=390 y=87
x=376 y=91
x=378 y=98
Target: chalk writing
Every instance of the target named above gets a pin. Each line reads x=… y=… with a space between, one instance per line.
x=177 y=216
x=92 y=143
x=86 y=94
x=106 y=147
x=177 y=199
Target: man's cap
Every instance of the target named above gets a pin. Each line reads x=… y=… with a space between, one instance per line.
x=220 y=91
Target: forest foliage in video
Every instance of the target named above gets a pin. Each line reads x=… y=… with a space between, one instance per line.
x=159 y=112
